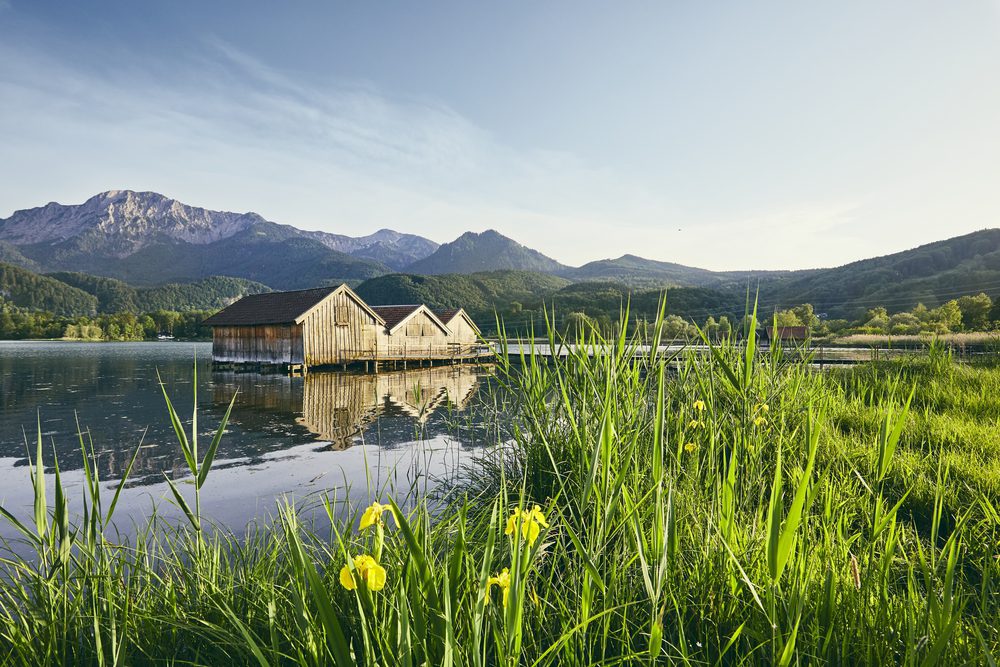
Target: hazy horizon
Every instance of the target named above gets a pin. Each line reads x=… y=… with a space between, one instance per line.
x=727 y=137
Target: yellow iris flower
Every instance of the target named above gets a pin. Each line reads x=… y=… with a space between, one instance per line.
x=531 y=523
x=373 y=515
x=366 y=569
x=690 y=447
x=503 y=581
x=760 y=421
x=699 y=406
x=696 y=423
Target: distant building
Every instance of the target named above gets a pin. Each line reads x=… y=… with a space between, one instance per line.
x=332 y=326
x=787 y=334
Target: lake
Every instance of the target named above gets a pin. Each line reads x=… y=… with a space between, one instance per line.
x=293 y=437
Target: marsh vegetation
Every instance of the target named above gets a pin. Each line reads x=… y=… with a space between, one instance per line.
x=734 y=508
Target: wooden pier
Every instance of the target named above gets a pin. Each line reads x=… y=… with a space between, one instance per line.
x=819 y=355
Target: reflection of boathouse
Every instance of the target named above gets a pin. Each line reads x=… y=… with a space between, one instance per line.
x=336 y=407
x=331 y=326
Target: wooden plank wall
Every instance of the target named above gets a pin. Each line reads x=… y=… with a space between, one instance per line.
x=263 y=343
x=330 y=338
x=461 y=332
x=418 y=338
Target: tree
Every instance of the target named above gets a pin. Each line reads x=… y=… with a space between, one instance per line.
x=674 y=328
x=577 y=325
x=725 y=327
x=946 y=317
x=975 y=311
x=836 y=326
x=807 y=315
x=787 y=318
x=877 y=318
x=904 y=324
x=711 y=327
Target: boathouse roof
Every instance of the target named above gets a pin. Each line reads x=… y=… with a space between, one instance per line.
x=396 y=315
x=278 y=307
x=788 y=333
x=446 y=315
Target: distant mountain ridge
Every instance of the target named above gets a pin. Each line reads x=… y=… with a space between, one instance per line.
x=638 y=271
x=928 y=274
x=487 y=251
x=148 y=238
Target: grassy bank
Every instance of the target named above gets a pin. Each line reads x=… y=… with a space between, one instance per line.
x=987 y=340
x=736 y=509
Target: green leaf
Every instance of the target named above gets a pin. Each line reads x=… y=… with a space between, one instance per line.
x=183 y=504
x=123 y=481
x=179 y=429
x=790 y=526
x=774 y=508
x=336 y=640
x=37 y=472
x=206 y=464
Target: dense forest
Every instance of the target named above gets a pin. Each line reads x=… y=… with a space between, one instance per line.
x=22 y=323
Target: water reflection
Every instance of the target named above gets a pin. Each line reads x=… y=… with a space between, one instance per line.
x=287 y=436
x=112 y=389
x=336 y=407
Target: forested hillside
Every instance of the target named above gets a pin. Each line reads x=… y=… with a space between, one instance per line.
x=931 y=274
x=115 y=295
x=27 y=289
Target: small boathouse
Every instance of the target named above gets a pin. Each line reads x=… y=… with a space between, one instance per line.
x=333 y=326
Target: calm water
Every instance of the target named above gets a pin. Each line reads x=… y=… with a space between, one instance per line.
x=287 y=436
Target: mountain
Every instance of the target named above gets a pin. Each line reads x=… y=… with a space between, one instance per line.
x=26 y=289
x=394 y=249
x=476 y=292
x=930 y=274
x=638 y=271
x=488 y=251
x=147 y=238
x=608 y=298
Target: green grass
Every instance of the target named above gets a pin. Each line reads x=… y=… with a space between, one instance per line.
x=799 y=517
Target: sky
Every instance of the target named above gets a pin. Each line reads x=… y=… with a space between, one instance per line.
x=725 y=135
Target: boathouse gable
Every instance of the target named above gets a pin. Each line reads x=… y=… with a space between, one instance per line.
x=412 y=331
x=327 y=325
x=463 y=329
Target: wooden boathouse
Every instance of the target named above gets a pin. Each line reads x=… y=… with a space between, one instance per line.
x=412 y=332
x=464 y=332
x=332 y=326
